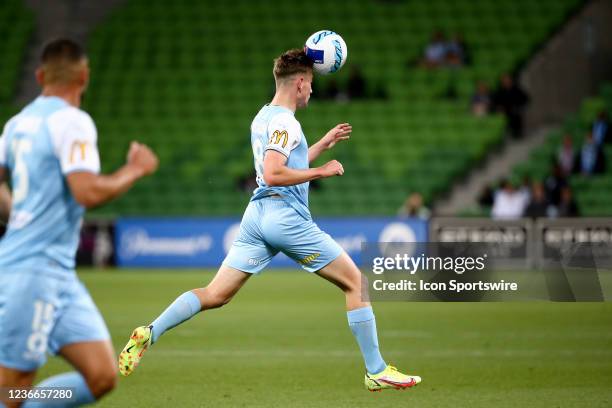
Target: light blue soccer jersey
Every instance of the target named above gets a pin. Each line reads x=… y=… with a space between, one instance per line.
x=39 y=146
x=43 y=305
x=275 y=128
x=273 y=224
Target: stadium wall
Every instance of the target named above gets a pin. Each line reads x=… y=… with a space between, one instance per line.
x=203 y=242
x=571 y=66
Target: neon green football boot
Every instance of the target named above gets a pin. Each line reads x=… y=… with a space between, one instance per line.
x=133 y=351
x=390 y=378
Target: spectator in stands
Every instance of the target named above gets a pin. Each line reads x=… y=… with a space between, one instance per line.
x=601 y=129
x=481 y=100
x=331 y=90
x=508 y=202
x=511 y=100
x=356 y=85
x=486 y=196
x=525 y=188
x=589 y=156
x=84 y=255
x=414 y=207
x=567 y=207
x=538 y=204
x=247 y=183
x=554 y=183
x=436 y=51
x=566 y=157
x=457 y=52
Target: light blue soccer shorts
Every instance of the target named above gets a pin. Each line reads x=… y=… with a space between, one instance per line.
x=41 y=313
x=269 y=226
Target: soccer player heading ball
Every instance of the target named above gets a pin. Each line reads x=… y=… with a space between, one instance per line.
x=277 y=219
x=49 y=152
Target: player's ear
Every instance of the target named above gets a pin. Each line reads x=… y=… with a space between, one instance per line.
x=40 y=76
x=84 y=77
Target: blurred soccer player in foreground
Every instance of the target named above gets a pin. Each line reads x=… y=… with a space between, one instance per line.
x=278 y=220
x=49 y=153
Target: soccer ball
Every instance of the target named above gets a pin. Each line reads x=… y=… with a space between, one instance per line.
x=328 y=51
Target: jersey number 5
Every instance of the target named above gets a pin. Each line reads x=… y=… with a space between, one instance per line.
x=21 y=184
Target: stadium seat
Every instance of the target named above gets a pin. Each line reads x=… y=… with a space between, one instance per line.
x=188 y=77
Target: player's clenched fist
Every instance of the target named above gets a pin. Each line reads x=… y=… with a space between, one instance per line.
x=332 y=168
x=141 y=156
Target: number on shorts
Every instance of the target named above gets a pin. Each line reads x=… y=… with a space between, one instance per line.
x=42 y=322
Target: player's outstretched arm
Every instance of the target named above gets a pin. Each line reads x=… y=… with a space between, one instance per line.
x=276 y=173
x=91 y=190
x=5 y=197
x=336 y=134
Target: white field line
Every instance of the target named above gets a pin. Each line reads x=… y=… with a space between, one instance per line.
x=594 y=334
x=418 y=334
x=457 y=353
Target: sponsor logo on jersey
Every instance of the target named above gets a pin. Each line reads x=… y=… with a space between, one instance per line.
x=78 y=147
x=253 y=261
x=278 y=135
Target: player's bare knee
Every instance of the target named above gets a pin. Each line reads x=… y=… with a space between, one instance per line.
x=102 y=378
x=212 y=299
x=351 y=291
x=102 y=381
x=222 y=299
x=362 y=282
x=107 y=383
x=352 y=283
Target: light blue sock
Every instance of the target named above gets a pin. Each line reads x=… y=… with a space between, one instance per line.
x=73 y=380
x=183 y=308
x=363 y=326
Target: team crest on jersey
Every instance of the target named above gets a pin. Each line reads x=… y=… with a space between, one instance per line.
x=277 y=136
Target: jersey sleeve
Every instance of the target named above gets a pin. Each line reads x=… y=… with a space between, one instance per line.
x=284 y=134
x=75 y=139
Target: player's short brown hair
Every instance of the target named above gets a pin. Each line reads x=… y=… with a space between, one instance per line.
x=61 y=60
x=292 y=62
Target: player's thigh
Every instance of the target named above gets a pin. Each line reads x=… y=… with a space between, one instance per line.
x=95 y=360
x=225 y=284
x=30 y=306
x=250 y=252
x=343 y=273
x=11 y=378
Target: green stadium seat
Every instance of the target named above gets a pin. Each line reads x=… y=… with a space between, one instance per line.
x=187 y=77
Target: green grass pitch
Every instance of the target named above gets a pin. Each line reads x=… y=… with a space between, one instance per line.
x=284 y=342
